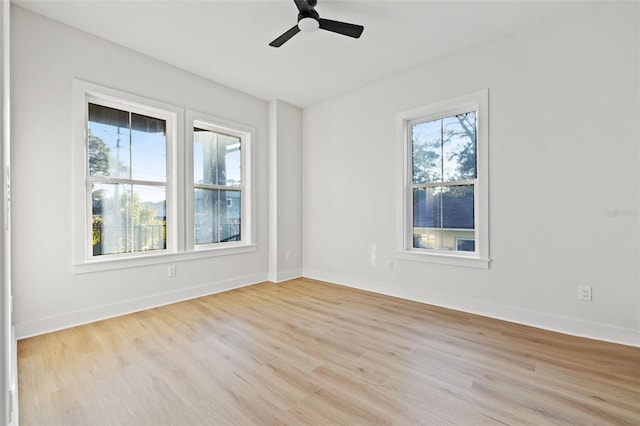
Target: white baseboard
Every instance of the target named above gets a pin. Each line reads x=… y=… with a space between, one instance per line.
x=543 y=320
x=287 y=275
x=85 y=316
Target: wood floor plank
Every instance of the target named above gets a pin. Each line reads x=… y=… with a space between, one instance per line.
x=308 y=352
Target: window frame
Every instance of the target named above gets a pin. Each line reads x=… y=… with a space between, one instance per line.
x=476 y=101
x=178 y=245
x=170 y=119
x=247 y=212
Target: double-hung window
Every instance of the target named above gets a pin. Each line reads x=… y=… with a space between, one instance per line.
x=219 y=198
x=149 y=188
x=126 y=178
x=444 y=215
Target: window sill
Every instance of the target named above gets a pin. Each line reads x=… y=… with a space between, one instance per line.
x=444 y=259
x=156 y=259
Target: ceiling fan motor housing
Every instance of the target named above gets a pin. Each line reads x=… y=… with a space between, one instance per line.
x=309 y=22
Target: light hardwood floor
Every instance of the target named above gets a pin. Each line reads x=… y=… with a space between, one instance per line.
x=307 y=352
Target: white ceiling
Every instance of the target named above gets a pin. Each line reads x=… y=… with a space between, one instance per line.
x=227 y=41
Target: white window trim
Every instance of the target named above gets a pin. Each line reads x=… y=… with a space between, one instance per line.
x=178 y=248
x=404 y=239
x=246 y=135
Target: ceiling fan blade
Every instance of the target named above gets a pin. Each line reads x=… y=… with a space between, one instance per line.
x=344 y=28
x=285 y=37
x=303 y=6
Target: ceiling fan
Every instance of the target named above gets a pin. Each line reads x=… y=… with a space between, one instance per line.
x=309 y=20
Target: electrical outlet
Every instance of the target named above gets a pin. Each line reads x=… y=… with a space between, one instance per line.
x=171 y=271
x=584 y=293
x=389 y=265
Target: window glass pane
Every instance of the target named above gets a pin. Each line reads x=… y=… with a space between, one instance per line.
x=458 y=218
x=128 y=218
x=229 y=163
x=427 y=217
x=442 y=215
x=204 y=157
x=457 y=207
x=230 y=216
x=426 y=152
x=109 y=142
x=216 y=158
x=465 y=244
x=427 y=238
x=216 y=216
x=205 y=217
x=126 y=146
x=426 y=207
x=459 y=147
x=148 y=148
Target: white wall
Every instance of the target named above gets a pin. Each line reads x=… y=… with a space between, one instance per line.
x=46 y=56
x=564 y=178
x=285 y=191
